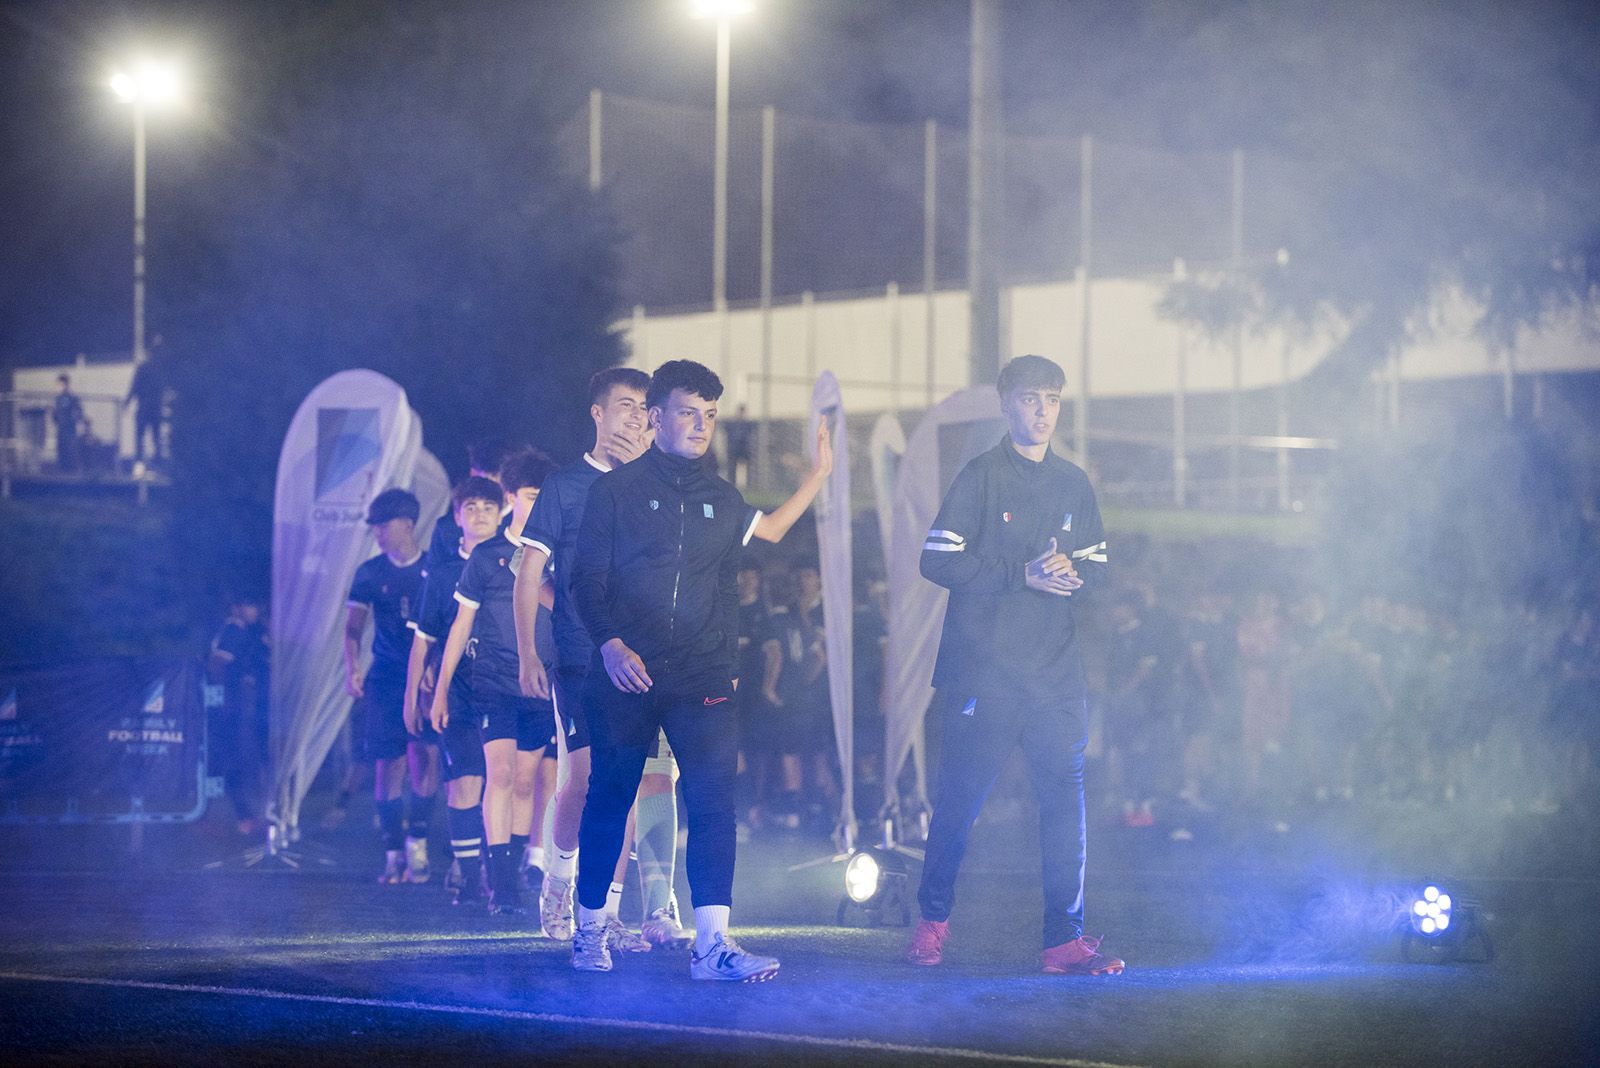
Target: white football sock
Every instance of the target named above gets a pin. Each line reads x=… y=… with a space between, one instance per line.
x=710 y=921
x=564 y=865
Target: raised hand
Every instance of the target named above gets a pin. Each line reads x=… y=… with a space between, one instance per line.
x=625 y=447
x=823 y=467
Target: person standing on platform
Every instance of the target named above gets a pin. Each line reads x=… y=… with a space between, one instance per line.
x=1017 y=542
x=67 y=414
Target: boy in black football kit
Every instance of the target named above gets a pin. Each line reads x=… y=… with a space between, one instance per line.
x=514 y=728
x=386 y=588
x=484 y=460
x=475 y=508
x=1017 y=537
x=654 y=582
x=617 y=407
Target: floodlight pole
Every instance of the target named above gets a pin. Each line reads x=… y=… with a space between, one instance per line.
x=138 y=232
x=719 y=196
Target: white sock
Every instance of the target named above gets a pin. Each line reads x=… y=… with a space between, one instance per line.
x=587 y=917
x=565 y=865
x=536 y=857
x=614 y=900
x=710 y=921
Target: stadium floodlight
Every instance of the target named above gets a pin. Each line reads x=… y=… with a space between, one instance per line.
x=1440 y=926
x=875 y=882
x=720 y=9
x=144 y=85
x=148 y=82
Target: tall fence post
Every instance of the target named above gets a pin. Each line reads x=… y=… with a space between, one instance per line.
x=1180 y=443
x=808 y=311
x=595 y=174
x=768 y=159
x=1080 y=422
x=891 y=304
x=1236 y=394
x=930 y=235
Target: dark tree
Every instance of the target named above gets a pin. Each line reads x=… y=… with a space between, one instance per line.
x=392 y=200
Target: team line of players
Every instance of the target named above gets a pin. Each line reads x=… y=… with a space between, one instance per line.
x=581 y=628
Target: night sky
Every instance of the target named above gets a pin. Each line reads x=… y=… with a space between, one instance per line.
x=1455 y=142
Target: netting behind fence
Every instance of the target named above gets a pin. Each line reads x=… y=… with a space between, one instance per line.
x=849 y=205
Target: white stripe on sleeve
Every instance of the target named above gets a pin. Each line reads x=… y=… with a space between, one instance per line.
x=750 y=531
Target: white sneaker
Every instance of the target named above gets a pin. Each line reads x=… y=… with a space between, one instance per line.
x=663 y=929
x=394 y=867
x=555 y=909
x=416 y=860
x=590 y=952
x=726 y=961
x=619 y=938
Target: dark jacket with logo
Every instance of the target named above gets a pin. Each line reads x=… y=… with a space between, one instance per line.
x=1002 y=639
x=656 y=557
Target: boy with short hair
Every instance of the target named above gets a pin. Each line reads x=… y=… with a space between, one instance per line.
x=476 y=504
x=514 y=728
x=386 y=588
x=1017 y=541
x=654 y=585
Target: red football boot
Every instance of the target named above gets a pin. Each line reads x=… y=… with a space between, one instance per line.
x=1081 y=956
x=927 y=942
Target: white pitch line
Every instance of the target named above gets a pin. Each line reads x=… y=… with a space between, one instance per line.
x=862 y=1044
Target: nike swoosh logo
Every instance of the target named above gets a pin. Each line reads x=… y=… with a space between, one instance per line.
x=715 y=700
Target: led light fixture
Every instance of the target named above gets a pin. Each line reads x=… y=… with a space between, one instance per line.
x=875 y=884
x=1440 y=927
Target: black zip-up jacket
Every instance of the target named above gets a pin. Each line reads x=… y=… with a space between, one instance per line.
x=1002 y=639
x=657 y=553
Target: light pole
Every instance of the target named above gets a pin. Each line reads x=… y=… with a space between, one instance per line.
x=148 y=85
x=723 y=11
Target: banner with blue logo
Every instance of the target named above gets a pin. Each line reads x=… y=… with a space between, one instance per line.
x=353 y=437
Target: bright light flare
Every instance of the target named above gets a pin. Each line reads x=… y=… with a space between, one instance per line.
x=861 y=877
x=720 y=9
x=148 y=83
x=1430 y=913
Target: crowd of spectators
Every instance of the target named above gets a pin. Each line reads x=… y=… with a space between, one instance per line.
x=1224 y=696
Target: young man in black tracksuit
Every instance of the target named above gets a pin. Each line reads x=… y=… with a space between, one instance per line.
x=1017 y=542
x=654 y=582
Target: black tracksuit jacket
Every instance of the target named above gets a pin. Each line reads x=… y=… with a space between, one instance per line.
x=1002 y=639
x=656 y=557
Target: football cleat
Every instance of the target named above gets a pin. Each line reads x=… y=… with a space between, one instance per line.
x=394 y=867
x=555 y=909
x=1081 y=956
x=927 y=942
x=725 y=960
x=591 y=949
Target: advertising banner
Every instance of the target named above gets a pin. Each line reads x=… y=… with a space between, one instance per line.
x=112 y=741
x=353 y=437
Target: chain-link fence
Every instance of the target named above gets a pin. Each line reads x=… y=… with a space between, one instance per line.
x=852 y=204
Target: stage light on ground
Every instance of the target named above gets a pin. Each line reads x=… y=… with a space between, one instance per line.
x=1440 y=927
x=874 y=884
x=861 y=877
